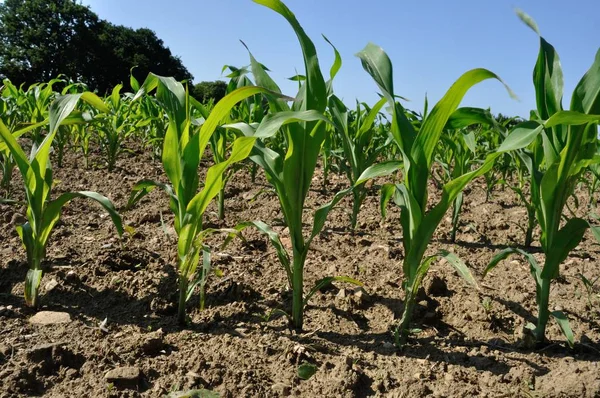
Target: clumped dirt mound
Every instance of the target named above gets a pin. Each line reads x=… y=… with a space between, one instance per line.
x=118 y=335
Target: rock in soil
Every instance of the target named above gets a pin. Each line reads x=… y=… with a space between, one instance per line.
x=124 y=377
x=50 y=318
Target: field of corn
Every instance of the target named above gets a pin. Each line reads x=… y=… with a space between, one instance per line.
x=278 y=244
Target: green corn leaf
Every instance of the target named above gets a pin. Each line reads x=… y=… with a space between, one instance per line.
x=322 y=212
x=571 y=118
x=54 y=208
x=503 y=254
x=567 y=238
x=563 y=323
x=337 y=63
x=387 y=193
x=32 y=285
x=273 y=122
x=273 y=237
x=377 y=63
x=15 y=149
x=18 y=133
x=521 y=136
x=222 y=110
x=467 y=116
x=26 y=234
x=214 y=178
x=144 y=187
x=547 y=74
x=316 y=95
x=428 y=137
x=379 y=170
x=459 y=265
x=586 y=96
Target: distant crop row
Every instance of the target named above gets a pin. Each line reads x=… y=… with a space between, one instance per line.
x=255 y=125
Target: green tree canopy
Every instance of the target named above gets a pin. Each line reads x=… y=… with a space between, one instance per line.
x=205 y=91
x=40 y=39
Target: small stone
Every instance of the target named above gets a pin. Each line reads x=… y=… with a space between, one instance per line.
x=387 y=345
x=126 y=376
x=51 y=285
x=361 y=296
x=449 y=377
x=71 y=276
x=50 y=318
x=282 y=389
x=341 y=293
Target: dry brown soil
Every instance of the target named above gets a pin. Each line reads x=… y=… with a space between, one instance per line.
x=471 y=343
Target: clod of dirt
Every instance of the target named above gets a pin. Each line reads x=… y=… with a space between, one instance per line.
x=5 y=351
x=50 y=318
x=436 y=287
x=50 y=357
x=281 y=389
x=153 y=342
x=124 y=377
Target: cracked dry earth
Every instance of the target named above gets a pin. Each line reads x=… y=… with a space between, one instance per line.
x=116 y=335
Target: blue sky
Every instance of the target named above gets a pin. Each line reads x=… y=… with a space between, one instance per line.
x=431 y=43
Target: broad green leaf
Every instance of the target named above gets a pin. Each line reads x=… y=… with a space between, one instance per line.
x=379 y=170
x=521 y=136
x=271 y=124
x=567 y=238
x=586 y=96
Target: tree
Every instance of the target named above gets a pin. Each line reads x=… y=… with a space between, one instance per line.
x=204 y=91
x=40 y=39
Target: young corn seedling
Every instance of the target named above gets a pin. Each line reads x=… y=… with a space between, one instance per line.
x=417 y=147
x=290 y=169
x=42 y=211
x=114 y=127
x=360 y=146
x=457 y=153
x=181 y=154
x=562 y=144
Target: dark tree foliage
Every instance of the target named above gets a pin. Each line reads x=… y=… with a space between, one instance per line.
x=205 y=91
x=41 y=39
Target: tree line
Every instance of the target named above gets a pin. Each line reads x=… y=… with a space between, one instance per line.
x=42 y=39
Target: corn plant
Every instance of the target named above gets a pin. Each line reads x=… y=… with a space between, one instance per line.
x=562 y=144
x=33 y=104
x=42 y=211
x=289 y=169
x=114 y=127
x=457 y=152
x=182 y=151
x=360 y=145
x=417 y=147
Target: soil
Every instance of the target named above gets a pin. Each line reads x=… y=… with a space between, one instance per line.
x=123 y=339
